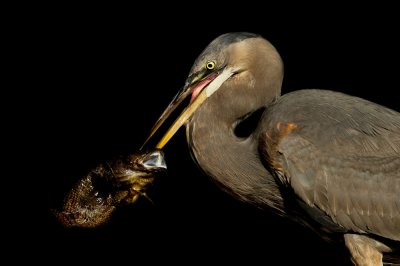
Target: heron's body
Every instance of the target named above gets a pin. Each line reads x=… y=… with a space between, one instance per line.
x=342 y=156
x=326 y=159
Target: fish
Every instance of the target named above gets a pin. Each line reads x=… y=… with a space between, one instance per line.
x=112 y=183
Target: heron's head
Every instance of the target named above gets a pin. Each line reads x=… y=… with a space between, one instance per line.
x=241 y=65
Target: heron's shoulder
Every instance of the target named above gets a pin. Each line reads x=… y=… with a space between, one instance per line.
x=332 y=120
x=315 y=96
x=333 y=104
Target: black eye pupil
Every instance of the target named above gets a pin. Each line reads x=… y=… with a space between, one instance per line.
x=210 y=65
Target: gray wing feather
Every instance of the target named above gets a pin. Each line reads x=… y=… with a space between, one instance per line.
x=344 y=158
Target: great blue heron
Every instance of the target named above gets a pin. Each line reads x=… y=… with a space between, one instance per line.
x=325 y=159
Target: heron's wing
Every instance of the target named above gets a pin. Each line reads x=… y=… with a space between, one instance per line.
x=361 y=194
x=349 y=170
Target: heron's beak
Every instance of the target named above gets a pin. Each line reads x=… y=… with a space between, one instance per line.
x=200 y=88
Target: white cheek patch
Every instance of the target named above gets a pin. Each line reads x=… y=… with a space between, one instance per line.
x=217 y=82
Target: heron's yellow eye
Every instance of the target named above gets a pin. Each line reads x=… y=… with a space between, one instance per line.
x=210 y=65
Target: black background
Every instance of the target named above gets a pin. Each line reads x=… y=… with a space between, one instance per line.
x=99 y=78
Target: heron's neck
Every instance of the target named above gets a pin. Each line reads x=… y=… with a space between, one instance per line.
x=232 y=162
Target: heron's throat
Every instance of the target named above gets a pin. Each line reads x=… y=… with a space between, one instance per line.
x=233 y=162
